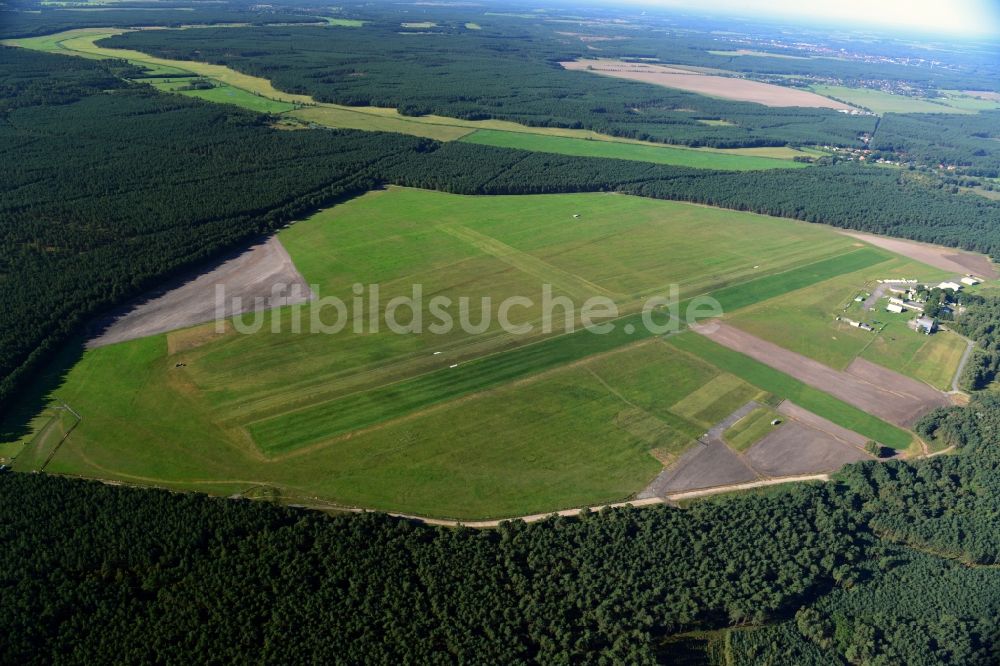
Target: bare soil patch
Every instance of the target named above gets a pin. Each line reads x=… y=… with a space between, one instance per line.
x=704 y=466
x=793 y=411
x=871 y=388
x=922 y=396
x=725 y=87
x=945 y=258
x=983 y=94
x=798 y=448
x=250 y=274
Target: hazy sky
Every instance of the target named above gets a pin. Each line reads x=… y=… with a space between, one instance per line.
x=972 y=17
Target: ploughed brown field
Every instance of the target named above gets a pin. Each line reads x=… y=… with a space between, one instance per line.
x=871 y=388
x=945 y=258
x=742 y=90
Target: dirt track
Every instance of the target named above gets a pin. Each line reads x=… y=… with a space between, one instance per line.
x=869 y=387
x=945 y=258
x=726 y=87
x=651 y=501
x=249 y=274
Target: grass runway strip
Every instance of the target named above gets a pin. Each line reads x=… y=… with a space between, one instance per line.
x=327 y=420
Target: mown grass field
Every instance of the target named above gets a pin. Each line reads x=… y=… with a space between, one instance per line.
x=626 y=151
x=522 y=424
x=882 y=102
x=751 y=428
x=805 y=321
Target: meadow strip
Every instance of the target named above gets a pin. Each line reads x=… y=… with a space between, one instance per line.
x=779 y=383
x=627 y=151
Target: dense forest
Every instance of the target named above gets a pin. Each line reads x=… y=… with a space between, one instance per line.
x=960 y=140
x=36 y=19
x=979 y=320
x=882 y=567
x=155 y=183
x=480 y=74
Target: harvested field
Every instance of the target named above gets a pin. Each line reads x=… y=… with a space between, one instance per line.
x=983 y=94
x=889 y=380
x=945 y=258
x=250 y=275
x=726 y=87
x=797 y=448
x=873 y=389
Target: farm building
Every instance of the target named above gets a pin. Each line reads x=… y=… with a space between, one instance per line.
x=895 y=307
x=954 y=286
x=971 y=281
x=926 y=325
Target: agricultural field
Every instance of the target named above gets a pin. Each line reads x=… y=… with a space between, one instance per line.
x=626 y=151
x=454 y=425
x=882 y=102
x=785 y=386
x=725 y=87
x=343 y=23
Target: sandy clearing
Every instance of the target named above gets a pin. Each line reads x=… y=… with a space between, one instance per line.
x=797 y=448
x=726 y=87
x=945 y=258
x=707 y=464
x=250 y=274
x=873 y=389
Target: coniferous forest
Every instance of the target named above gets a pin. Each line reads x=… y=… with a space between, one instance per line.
x=850 y=572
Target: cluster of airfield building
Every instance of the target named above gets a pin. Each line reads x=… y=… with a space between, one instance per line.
x=908 y=295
